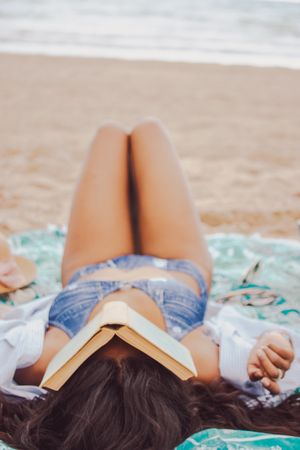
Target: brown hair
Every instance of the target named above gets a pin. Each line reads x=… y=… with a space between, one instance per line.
x=134 y=404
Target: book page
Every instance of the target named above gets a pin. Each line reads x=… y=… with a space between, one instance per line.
x=161 y=340
x=116 y=314
x=119 y=313
x=55 y=378
x=145 y=346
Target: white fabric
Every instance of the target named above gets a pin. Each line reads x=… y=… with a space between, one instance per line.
x=23 y=329
x=236 y=335
x=21 y=343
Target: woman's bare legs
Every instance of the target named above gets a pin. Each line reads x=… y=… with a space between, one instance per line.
x=169 y=225
x=99 y=224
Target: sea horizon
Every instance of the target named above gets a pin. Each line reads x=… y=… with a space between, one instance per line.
x=264 y=33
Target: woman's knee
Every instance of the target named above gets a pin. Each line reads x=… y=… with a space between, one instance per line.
x=147 y=123
x=109 y=137
x=110 y=129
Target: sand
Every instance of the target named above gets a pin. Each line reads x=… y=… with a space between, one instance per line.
x=236 y=130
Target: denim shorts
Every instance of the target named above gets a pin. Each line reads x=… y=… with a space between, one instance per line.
x=182 y=309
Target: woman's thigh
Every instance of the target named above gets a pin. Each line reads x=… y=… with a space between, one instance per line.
x=99 y=224
x=169 y=225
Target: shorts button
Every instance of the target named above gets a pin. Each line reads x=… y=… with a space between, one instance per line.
x=177 y=329
x=162 y=263
x=125 y=286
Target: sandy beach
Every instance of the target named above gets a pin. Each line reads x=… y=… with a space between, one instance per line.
x=236 y=130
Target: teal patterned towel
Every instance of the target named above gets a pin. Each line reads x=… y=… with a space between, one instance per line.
x=214 y=439
x=233 y=255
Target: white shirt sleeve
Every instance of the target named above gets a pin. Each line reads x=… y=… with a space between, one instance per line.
x=236 y=335
x=21 y=346
x=21 y=343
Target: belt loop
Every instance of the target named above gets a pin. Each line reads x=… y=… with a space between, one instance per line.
x=160 y=296
x=111 y=263
x=125 y=285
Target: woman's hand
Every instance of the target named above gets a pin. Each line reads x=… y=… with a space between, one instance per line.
x=10 y=274
x=270 y=358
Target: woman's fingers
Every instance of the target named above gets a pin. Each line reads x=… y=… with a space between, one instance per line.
x=273 y=363
x=271 y=385
x=286 y=353
x=254 y=372
x=269 y=368
x=10 y=274
x=277 y=360
x=269 y=361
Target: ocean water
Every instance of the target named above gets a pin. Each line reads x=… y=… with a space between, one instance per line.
x=251 y=32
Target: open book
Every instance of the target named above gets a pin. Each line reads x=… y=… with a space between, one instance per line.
x=118 y=319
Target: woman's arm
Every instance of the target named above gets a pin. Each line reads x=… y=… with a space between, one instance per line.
x=264 y=360
x=205 y=354
x=55 y=340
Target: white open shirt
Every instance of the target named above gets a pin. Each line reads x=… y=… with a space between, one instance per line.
x=23 y=329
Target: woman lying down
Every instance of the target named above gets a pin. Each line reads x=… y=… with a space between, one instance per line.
x=134 y=236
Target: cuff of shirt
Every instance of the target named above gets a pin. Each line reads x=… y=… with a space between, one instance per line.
x=234 y=355
x=31 y=343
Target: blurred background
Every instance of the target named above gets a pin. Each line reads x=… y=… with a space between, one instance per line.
x=260 y=32
x=223 y=75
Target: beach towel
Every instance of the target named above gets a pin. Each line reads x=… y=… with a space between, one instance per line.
x=277 y=263
x=214 y=439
